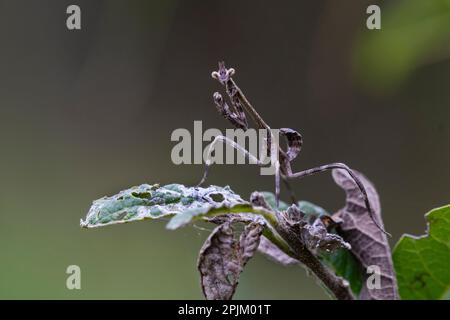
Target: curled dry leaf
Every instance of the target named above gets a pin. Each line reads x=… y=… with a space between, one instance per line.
x=369 y=244
x=249 y=241
x=222 y=259
x=218 y=264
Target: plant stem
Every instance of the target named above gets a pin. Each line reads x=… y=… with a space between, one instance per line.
x=335 y=284
x=287 y=239
x=338 y=286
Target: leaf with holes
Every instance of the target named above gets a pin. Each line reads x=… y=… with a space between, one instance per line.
x=154 y=201
x=423 y=263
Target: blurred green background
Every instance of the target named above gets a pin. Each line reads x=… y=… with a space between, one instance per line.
x=87 y=113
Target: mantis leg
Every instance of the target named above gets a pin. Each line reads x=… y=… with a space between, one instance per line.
x=362 y=189
x=249 y=156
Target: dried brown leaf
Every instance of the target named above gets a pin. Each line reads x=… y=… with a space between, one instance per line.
x=369 y=244
x=223 y=257
x=249 y=241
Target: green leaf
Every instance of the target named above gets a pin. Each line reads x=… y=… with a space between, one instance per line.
x=310 y=209
x=184 y=204
x=153 y=202
x=206 y=212
x=423 y=263
x=345 y=265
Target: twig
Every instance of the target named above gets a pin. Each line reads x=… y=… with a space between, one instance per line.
x=293 y=245
x=337 y=285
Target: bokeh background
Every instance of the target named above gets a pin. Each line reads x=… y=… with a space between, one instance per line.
x=87 y=113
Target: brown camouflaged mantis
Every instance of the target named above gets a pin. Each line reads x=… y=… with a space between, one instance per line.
x=335 y=248
x=236 y=116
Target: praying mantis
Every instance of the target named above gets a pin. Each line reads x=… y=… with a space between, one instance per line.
x=236 y=115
